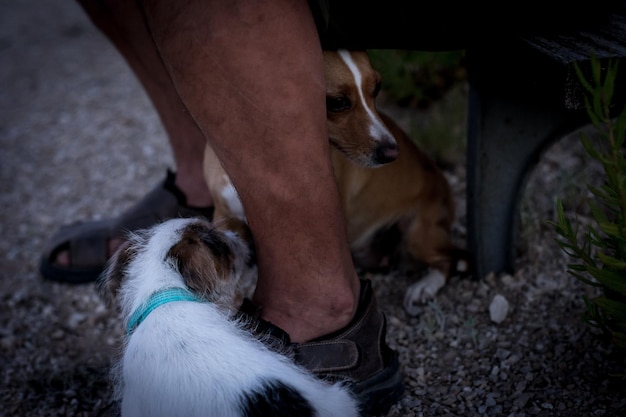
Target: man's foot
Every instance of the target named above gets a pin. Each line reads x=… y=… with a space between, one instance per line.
x=78 y=253
x=358 y=353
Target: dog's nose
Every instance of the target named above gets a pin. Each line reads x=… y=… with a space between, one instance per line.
x=386 y=153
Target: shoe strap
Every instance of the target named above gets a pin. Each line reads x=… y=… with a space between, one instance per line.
x=355 y=352
x=88 y=250
x=330 y=356
x=164 y=201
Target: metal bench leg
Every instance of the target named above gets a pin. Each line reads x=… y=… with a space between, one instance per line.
x=505 y=139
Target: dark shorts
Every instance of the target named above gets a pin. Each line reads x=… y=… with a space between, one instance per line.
x=445 y=24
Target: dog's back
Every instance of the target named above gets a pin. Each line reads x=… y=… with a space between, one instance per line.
x=192 y=356
x=188 y=359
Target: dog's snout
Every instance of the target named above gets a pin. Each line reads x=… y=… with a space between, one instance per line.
x=386 y=153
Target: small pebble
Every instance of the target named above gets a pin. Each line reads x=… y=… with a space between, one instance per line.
x=498 y=309
x=57 y=334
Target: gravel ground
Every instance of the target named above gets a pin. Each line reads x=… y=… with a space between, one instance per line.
x=74 y=122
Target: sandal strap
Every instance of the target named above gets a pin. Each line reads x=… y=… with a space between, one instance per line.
x=356 y=352
x=87 y=242
x=331 y=356
x=165 y=201
x=87 y=251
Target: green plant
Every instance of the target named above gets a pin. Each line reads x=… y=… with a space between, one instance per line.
x=416 y=78
x=472 y=331
x=428 y=90
x=599 y=255
x=433 y=321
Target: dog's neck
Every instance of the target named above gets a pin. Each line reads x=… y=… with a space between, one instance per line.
x=138 y=289
x=157 y=299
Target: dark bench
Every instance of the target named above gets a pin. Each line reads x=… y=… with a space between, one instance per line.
x=524 y=94
x=521 y=100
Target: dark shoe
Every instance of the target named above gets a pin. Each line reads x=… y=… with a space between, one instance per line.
x=358 y=354
x=88 y=242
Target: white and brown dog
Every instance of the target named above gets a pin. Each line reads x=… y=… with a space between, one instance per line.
x=185 y=353
x=397 y=202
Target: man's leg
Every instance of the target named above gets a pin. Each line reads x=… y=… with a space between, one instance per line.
x=251 y=74
x=123 y=24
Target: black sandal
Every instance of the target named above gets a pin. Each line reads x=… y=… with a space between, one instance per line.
x=88 y=242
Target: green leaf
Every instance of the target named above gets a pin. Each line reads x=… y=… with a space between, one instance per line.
x=609 y=83
x=609 y=228
x=581 y=77
x=584 y=279
x=613 y=308
x=560 y=212
x=613 y=281
x=588 y=146
x=598 y=214
x=595 y=120
x=614 y=263
x=620 y=129
x=595 y=316
x=577 y=267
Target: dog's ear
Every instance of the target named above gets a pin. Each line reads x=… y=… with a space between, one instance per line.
x=242 y=230
x=110 y=281
x=203 y=258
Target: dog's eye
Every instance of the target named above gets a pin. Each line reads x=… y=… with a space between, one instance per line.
x=337 y=104
x=376 y=89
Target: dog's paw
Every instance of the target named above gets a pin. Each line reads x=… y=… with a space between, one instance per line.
x=423 y=291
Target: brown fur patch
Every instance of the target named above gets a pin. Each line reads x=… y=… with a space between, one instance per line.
x=205 y=260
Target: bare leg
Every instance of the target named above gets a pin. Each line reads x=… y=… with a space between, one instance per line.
x=251 y=74
x=122 y=22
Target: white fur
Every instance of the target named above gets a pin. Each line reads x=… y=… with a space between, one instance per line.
x=423 y=290
x=190 y=359
x=377 y=128
x=231 y=198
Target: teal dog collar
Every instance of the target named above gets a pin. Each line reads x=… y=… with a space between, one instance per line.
x=157 y=299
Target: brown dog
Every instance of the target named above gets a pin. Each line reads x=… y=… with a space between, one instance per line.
x=397 y=202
